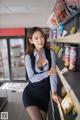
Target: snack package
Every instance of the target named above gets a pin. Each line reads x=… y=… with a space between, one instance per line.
x=67 y=104
x=52 y=21
x=66 y=55
x=74 y=4
x=73 y=57
x=60 y=11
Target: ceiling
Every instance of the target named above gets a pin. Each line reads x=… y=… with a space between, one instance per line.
x=26 y=6
x=25 y=13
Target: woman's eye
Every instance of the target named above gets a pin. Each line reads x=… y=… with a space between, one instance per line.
x=36 y=38
x=39 y=38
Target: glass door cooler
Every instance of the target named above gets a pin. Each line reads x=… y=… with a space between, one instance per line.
x=17 y=59
x=4 y=71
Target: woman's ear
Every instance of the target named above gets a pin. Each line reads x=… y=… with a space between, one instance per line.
x=30 y=40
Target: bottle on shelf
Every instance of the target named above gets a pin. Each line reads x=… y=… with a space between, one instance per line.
x=66 y=55
x=73 y=58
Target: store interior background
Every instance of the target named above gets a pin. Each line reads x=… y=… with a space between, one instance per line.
x=16 y=18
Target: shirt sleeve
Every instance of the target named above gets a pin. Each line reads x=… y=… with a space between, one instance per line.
x=53 y=78
x=32 y=76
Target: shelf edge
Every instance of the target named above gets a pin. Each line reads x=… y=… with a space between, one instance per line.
x=74 y=39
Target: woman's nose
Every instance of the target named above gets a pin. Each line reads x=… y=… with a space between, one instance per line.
x=39 y=40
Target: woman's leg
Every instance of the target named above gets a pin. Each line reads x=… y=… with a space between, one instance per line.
x=44 y=114
x=34 y=113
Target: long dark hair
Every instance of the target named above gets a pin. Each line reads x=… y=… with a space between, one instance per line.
x=30 y=47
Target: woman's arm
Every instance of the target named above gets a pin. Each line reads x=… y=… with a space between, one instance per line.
x=53 y=78
x=32 y=76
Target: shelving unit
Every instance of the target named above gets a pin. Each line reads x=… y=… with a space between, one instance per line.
x=72 y=86
x=70 y=79
x=74 y=39
x=61 y=112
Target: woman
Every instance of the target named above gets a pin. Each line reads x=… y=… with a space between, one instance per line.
x=40 y=67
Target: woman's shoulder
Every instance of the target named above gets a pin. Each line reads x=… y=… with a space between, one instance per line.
x=27 y=55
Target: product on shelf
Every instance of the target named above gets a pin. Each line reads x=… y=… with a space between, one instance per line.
x=78 y=59
x=60 y=30
x=57 y=49
x=73 y=30
x=78 y=29
x=53 y=33
x=64 y=33
x=73 y=6
x=60 y=53
x=60 y=11
x=53 y=47
x=73 y=57
x=66 y=55
x=67 y=104
x=52 y=21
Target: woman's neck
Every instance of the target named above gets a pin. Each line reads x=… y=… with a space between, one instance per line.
x=39 y=51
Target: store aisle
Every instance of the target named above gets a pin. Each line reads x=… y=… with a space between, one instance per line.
x=15 y=108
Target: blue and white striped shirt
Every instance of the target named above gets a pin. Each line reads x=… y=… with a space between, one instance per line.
x=40 y=76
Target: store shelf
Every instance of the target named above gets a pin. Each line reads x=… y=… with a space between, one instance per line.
x=71 y=82
x=69 y=116
x=74 y=39
x=61 y=112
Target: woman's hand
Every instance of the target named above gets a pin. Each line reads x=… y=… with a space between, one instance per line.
x=52 y=71
x=56 y=98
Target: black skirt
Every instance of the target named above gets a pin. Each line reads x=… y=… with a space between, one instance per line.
x=37 y=94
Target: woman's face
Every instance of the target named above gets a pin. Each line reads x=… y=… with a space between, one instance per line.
x=38 y=40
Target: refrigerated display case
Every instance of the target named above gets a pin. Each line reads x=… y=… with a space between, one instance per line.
x=4 y=65
x=17 y=59
x=4 y=71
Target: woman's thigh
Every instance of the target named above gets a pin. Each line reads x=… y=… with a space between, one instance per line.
x=34 y=113
x=44 y=114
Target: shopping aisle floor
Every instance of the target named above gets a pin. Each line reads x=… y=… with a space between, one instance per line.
x=15 y=108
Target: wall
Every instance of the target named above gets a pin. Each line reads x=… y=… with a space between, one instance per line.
x=23 y=20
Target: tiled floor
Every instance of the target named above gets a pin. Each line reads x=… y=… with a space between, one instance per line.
x=15 y=108
x=14 y=86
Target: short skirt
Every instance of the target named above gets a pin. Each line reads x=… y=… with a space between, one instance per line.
x=34 y=97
